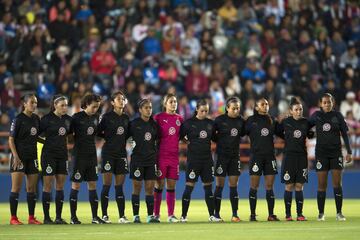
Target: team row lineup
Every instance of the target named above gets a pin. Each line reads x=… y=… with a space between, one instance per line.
x=155 y=156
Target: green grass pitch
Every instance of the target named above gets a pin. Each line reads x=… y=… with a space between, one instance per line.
x=196 y=228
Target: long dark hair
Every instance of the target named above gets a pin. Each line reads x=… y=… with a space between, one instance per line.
x=231 y=100
x=199 y=103
x=256 y=113
x=327 y=95
x=294 y=101
x=55 y=99
x=142 y=102
x=88 y=99
x=166 y=98
x=26 y=98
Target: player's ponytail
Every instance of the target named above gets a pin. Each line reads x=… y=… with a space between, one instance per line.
x=199 y=103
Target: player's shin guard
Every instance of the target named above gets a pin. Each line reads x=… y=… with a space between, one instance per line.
x=120 y=200
x=186 y=197
x=338 y=194
x=105 y=199
x=73 y=202
x=217 y=200
x=157 y=201
x=299 y=198
x=135 y=200
x=234 y=200
x=253 y=200
x=59 y=201
x=149 y=199
x=321 y=196
x=170 y=201
x=13 y=200
x=94 y=202
x=31 y=201
x=270 y=198
x=287 y=201
x=209 y=199
x=46 y=198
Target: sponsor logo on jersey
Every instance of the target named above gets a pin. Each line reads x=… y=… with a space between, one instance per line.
x=147 y=136
x=326 y=127
x=234 y=132
x=297 y=134
x=120 y=131
x=90 y=131
x=203 y=134
x=264 y=132
x=172 y=131
x=62 y=131
x=33 y=131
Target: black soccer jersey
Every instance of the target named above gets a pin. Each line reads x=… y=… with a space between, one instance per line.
x=24 y=130
x=145 y=136
x=84 y=128
x=261 y=133
x=329 y=126
x=199 y=134
x=294 y=133
x=114 y=129
x=228 y=134
x=55 y=130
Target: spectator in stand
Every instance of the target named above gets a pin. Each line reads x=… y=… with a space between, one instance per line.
x=196 y=83
x=255 y=73
x=10 y=93
x=103 y=61
x=350 y=104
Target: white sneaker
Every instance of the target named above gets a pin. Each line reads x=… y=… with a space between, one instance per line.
x=214 y=219
x=172 y=219
x=321 y=217
x=183 y=220
x=340 y=217
x=106 y=219
x=123 y=220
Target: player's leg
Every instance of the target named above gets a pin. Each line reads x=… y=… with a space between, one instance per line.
x=94 y=203
x=288 y=194
x=170 y=199
x=120 y=197
x=321 y=193
x=149 y=199
x=185 y=201
x=254 y=185
x=59 y=197
x=220 y=182
x=135 y=199
x=16 y=182
x=338 y=193
x=299 y=198
x=31 y=183
x=46 y=197
x=107 y=180
x=158 y=190
x=270 y=197
x=234 y=197
x=75 y=187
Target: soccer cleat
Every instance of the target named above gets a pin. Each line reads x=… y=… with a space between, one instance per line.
x=273 y=218
x=60 y=221
x=215 y=219
x=97 y=220
x=15 y=221
x=172 y=219
x=48 y=221
x=152 y=219
x=74 y=220
x=301 y=218
x=123 y=220
x=253 y=218
x=289 y=218
x=33 y=221
x=157 y=217
x=183 y=219
x=340 y=217
x=321 y=217
x=106 y=219
x=137 y=219
x=235 y=219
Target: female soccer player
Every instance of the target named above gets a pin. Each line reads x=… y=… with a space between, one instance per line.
x=84 y=126
x=198 y=131
x=261 y=129
x=168 y=157
x=144 y=132
x=229 y=128
x=113 y=128
x=55 y=126
x=22 y=141
x=294 y=169
x=329 y=126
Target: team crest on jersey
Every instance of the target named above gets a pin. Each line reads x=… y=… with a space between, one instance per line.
x=255 y=168
x=234 y=132
x=107 y=166
x=147 y=136
x=297 y=134
x=326 y=127
x=90 y=131
x=192 y=174
x=120 y=131
x=219 y=170
x=49 y=169
x=203 y=134
x=137 y=173
x=318 y=165
x=33 y=131
x=172 y=131
x=178 y=123
x=62 y=131
x=264 y=132
x=286 y=177
x=77 y=176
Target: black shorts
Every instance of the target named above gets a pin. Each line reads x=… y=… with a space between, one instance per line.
x=84 y=169
x=117 y=166
x=28 y=166
x=52 y=165
x=139 y=172
x=203 y=169
x=262 y=165
x=328 y=161
x=294 y=169
x=227 y=167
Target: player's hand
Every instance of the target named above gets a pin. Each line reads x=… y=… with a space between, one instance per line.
x=16 y=163
x=348 y=158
